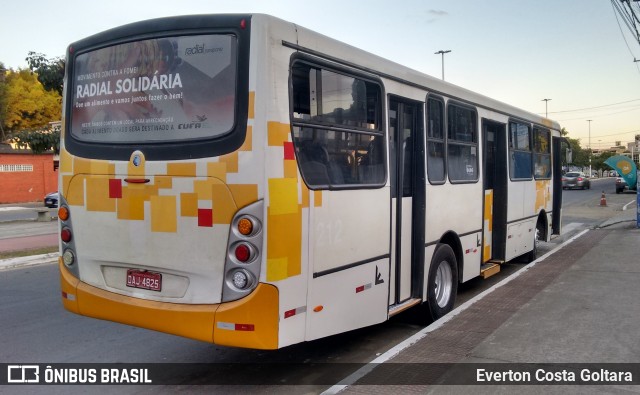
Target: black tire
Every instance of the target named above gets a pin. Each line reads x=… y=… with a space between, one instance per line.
x=618 y=190
x=442 y=285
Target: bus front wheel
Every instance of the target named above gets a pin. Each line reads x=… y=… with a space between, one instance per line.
x=443 y=281
x=537 y=237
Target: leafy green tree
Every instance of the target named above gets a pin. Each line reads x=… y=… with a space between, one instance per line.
x=39 y=141
x=50 y=71
x=29 y=106
x=580 y=155
x=597 y=162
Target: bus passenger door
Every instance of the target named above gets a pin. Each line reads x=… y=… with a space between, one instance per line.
x=495 y=193
x=407 y=178
x=559 y=145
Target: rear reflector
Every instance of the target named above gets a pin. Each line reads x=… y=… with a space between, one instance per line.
x=68 y=296
x=245 y=327
x=363 y=287
x=292 y=312
x=236 y=327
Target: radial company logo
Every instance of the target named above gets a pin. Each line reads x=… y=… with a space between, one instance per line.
x=200 y=49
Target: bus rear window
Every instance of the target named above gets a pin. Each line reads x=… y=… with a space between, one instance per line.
x=157 y=90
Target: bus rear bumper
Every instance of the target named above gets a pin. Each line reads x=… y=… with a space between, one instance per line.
x=251 y=322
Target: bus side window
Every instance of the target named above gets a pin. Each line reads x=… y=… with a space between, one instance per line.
x=312 y=160
x=371 y=165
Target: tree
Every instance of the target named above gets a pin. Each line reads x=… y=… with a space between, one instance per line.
x=3 y=101
x=50 y=71
x=28 y=105
x=597 y=162
x=580 y=156
x=39 y=141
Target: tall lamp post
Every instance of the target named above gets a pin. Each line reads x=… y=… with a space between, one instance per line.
x=441 y=52
x=546 y=113
x=589 y=120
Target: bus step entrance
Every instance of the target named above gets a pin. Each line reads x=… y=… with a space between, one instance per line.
x=490 y=268
x=399 y=308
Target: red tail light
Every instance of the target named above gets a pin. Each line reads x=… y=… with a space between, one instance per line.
x=579 y=178
x=243 y=253
x=65 y=235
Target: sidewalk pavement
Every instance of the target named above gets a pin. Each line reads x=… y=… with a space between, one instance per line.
x=578 y=304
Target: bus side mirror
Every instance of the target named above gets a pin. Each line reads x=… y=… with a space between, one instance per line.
x=569 y=155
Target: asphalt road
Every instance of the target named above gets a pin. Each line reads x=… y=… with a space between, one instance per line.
x=584 y=206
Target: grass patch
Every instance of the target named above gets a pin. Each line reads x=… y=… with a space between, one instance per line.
x=29 y=252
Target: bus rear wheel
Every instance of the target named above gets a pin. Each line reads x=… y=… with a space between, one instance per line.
x=443 y=281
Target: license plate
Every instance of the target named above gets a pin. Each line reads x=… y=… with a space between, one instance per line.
x=144 y=280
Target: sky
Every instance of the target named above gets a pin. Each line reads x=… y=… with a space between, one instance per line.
x=520 y=52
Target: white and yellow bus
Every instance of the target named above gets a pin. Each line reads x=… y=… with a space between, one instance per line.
x=241 y=180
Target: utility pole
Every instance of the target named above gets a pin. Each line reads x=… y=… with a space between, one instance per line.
x=441 y=52
x=589 y=120
x=546 y=113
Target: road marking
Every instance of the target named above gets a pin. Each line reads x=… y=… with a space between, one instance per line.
x=363 y=371
x=19 y=262
x=570 y=227
x=627 y=205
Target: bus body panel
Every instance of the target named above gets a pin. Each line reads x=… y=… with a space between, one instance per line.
x=287 y=199
x=349 y=243
x=251 y=322
x=463 y=214
x=140 y=223
x=347 y=300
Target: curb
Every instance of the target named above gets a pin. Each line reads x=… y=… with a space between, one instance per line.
x=33 y=260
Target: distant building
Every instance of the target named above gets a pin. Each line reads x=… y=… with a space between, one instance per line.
x=26 y=177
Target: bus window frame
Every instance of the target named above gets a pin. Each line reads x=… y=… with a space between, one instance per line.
x=455 y=103
x=381 y=131
x=529 y=125
x=442 y=141
x=163 y=28
x=536 y=153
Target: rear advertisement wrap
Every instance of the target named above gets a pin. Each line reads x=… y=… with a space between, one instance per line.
x=163 y=89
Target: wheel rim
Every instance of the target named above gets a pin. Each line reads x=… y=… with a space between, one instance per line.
x=537 y=238
x=444 y=284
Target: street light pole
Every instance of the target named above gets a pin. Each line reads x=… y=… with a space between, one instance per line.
x=546 y=113
x=589 y=120
x=441 y=52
